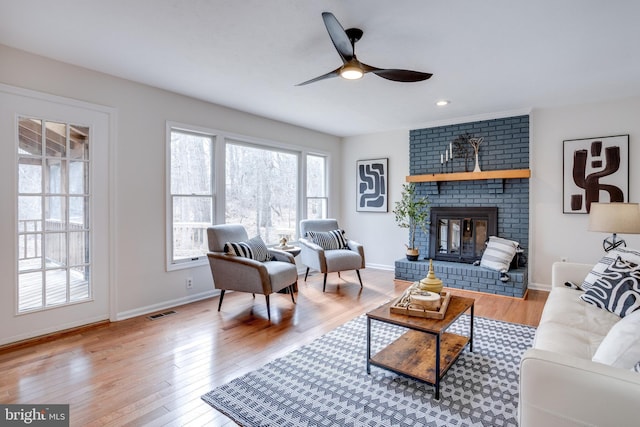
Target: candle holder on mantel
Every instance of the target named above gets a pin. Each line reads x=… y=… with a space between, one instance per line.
x=431 y=283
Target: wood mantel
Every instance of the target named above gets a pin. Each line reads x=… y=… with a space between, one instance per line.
x=470 y=176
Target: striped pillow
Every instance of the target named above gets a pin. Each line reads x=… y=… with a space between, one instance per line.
x=328 y=240
x=255 y=248
x=498 y=254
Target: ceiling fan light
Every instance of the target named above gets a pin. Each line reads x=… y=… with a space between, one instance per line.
x=351 y=72
x=442 y=102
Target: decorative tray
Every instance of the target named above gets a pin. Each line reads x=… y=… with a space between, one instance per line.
x=403 y=305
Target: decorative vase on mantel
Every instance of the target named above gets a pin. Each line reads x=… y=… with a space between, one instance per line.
x=475 y=143
x=431 y=283
x=477 y=168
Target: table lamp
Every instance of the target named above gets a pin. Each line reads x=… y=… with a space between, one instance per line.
x=614 y=218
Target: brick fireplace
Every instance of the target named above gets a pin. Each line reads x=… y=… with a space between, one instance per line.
x=505 y=147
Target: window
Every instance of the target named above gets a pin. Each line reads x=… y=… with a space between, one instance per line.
x=265 y=186
x=54 y=200
x=261 y=190
x=317 y=200
x=191 y=195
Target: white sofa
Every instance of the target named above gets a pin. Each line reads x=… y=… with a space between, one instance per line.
x=559 y=383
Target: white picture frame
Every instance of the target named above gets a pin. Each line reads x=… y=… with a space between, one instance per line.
x=371 y=185
x=595 y=170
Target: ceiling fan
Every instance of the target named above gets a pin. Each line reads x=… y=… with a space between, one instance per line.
x=351 y=69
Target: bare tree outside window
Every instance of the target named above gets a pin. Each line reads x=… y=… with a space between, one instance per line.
x=261 y=190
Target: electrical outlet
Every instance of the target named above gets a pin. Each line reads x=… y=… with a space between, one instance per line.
x=189 y=282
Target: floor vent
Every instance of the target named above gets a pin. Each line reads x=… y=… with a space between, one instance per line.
x=159 y=315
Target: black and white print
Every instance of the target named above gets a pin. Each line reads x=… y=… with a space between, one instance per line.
x=372 y=185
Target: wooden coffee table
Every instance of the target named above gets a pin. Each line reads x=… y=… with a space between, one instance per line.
x=426 y=348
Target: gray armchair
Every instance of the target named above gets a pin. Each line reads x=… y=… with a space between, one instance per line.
x=237 y=273
x=327 y=261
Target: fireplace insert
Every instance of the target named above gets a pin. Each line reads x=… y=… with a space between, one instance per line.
x=459 y=234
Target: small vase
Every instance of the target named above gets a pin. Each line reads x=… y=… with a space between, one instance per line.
x=477 y=168
x=413 y=254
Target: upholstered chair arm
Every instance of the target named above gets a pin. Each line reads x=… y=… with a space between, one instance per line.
x=283 y=256
x=239 y=273
x=358 y=248
x=312 y=255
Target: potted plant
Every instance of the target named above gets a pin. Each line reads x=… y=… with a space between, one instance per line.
x=412 y=212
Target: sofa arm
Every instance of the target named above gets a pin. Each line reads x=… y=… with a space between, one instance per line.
x=282 y=256
x=562 y=272
x=239 y=274
x=357 y=248
x=562 y=390
x=312 y=255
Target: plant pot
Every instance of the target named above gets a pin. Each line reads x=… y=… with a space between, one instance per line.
x=412 y=254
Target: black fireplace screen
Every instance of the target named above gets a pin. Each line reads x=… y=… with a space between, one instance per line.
x=459 y=234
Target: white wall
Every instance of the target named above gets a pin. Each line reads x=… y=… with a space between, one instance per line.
x=553 y=235
x=384 y=241
x=140 y=278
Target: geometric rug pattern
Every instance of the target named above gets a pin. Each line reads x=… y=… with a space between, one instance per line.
x=325 y=383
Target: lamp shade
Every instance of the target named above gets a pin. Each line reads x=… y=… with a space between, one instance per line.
x=623 y=218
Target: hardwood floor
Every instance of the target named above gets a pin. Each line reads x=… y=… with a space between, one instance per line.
x=153 y=372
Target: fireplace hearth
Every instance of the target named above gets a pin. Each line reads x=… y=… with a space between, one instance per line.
x=458 y=234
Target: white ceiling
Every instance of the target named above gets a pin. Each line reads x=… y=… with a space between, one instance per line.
x=486 y=56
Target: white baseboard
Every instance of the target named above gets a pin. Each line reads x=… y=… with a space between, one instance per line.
x=165 y=304
x=382 y=267
x=51 y=330
x=539 y=286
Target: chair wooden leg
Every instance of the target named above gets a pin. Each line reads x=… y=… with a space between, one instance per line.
x=221 y=296
x=324 y=285
x=358 y=273
x=268 y=308
x=338 y=274
x=306 y=274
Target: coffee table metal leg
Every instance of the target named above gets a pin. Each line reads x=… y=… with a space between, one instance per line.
x=437 y=393
x=471 y=331
x=368 y=345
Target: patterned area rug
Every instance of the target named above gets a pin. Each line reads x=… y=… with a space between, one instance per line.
x=325 y=383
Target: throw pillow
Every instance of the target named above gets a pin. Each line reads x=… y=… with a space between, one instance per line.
x=328 y=240
x=617 y=289
x=621 y=346
x=254 y=248
x=498 y=253
x=627 y=254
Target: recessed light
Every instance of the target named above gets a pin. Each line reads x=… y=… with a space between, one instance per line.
x=442 y=102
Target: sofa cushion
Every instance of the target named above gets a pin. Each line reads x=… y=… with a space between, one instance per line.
x=328 y=240
x=254 y=248
x=617 y=289
x=621 y=346
x=627 y=254
x=498 y=254
x=570 y=326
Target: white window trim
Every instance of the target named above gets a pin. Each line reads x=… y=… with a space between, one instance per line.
x=201 y=260
x=221 y=138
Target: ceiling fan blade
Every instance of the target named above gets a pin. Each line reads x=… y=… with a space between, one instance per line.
x=330 y=74
x=397 y=75
x=338 y=37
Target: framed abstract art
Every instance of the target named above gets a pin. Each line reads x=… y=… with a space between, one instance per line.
x=371 y=179
x=595 y=170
